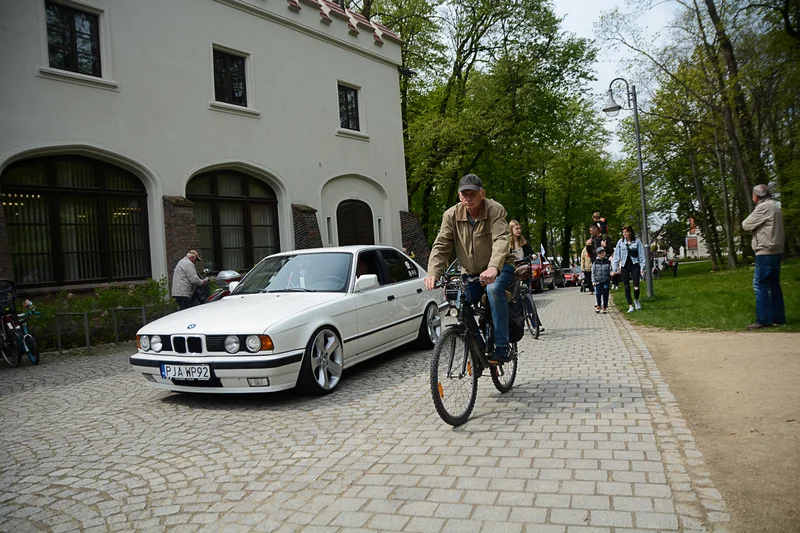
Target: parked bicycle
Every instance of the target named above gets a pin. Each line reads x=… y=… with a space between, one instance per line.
x=15 y=340
x=524 y=270
x=462 y=352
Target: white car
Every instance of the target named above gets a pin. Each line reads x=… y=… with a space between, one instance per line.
x=297 y=318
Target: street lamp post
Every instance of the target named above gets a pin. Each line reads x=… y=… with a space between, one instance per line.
x=611 y=109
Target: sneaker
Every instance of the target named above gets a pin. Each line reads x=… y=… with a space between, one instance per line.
x=637 y=305
x=756 y=325
x=596 y=308
x=500 y=356
x=605 y=310
x=630 y=309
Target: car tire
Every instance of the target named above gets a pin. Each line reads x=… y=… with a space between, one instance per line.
x=539 y=288
x=323 y=363
x=430 y=329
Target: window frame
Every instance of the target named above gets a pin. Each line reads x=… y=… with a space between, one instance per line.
x=105 y=79
x=216 y=227
x=102 y=196
x=342 y=131
x=247 y=110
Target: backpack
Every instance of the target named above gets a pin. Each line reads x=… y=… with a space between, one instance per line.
x=516 y=317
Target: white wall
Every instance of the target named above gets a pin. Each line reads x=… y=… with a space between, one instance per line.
x=152 y=114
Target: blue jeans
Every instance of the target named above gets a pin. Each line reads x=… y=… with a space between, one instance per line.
x=601 y=293
x=496 y=293
x=767 y=284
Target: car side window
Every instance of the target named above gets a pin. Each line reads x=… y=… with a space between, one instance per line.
x=368 y=263
x=400 y=267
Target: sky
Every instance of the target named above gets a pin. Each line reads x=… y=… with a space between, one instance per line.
x=579 y=18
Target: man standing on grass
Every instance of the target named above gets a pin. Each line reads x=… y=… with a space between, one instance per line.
x=766 y=224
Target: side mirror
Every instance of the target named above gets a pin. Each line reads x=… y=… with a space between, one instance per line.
x=233 y=285
x=365 y=282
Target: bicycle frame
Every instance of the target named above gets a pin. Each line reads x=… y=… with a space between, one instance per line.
x=467 y=319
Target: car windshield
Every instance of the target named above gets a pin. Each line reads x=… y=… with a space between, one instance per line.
x=323 y=272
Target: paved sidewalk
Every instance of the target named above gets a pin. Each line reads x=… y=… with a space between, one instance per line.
x=589 y=440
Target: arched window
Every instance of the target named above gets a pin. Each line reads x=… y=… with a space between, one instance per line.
x=73 y=219
x=236 y=217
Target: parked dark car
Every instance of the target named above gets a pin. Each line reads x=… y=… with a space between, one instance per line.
x=558 y=274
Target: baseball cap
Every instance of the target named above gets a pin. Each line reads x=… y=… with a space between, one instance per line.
x=470 y=182
x=601 y=250
x=196 y=254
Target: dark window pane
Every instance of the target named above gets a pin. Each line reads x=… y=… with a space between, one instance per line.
x=230 y=78
x=238 y=225
x=348 y=108
x=73 y=39
x=66 y=224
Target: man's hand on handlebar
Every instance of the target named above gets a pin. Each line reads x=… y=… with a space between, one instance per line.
x=430 y=282
x=489 y=275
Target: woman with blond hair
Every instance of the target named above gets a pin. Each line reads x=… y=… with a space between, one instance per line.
x=520 y=249
x=519 y=246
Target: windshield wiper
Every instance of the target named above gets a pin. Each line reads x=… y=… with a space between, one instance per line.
x=293 y=289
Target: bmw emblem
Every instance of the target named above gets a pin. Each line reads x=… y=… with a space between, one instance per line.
x=191 y=326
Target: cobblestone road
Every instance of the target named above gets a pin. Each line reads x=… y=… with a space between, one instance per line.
x=589 y=440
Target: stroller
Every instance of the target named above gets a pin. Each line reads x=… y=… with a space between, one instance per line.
x=14 y=337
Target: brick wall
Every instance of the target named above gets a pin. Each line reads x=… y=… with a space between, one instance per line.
x=6 y=264
x=306 y=228
x=180 y=231
x=414 y=239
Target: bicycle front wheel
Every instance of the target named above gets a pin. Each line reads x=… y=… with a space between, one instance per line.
x=454 y=379
x=531 y=317
x=503 y=376
x=32 y=348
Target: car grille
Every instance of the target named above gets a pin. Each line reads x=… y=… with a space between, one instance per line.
x=182 y=344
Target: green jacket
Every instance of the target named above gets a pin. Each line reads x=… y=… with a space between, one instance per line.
x=477 y=247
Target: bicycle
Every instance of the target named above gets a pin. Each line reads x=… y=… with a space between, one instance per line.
x=462 y=353
x=532 y=321
x=14 y=336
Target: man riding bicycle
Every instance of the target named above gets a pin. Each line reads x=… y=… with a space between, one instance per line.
x=478 y=230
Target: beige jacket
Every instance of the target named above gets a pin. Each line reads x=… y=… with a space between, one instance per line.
x=586 y=260
x=477 y=247
x=766 y=223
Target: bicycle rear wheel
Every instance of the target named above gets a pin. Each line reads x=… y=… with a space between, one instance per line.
x=12 y=350
x=453 y=388
x=531 y=317
x=503 y=376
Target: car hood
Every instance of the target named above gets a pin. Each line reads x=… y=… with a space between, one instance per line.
x=239 y=314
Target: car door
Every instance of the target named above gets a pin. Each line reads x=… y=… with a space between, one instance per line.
x=376 y=308
x=408 y=290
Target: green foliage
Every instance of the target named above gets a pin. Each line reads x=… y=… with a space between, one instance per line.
x=152 y=295
x=701 y=299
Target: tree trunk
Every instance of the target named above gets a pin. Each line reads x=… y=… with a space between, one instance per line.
x=725 y=207
x=750 y=143
x=703 y=212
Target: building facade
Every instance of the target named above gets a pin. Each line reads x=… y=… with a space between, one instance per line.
x=132 y=132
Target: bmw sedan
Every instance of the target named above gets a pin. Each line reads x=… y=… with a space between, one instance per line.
x=298 y=318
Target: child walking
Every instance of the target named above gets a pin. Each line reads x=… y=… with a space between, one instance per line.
x=601 y=278
x=586 y=266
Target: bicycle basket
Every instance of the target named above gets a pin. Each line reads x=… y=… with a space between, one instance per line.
x=8 y=293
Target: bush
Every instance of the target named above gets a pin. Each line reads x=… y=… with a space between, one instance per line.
x=152 y=295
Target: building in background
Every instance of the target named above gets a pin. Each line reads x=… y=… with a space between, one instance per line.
x=135 y=131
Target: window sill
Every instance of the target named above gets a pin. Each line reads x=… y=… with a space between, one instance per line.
x=80 y=79
x=234 y=109
x=352 y=134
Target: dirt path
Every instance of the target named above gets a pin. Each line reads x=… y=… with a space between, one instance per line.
x=740 y=394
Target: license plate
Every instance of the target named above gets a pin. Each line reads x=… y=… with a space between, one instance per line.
x=189 y=372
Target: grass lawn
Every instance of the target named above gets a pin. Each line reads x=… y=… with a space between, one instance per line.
x=701 y=299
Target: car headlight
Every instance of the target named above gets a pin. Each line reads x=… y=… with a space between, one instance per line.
x=144 y=342
x=252 y=343
x=155 y=343
x=232 y=344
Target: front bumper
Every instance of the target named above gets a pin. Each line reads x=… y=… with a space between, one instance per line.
x=229 y=374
